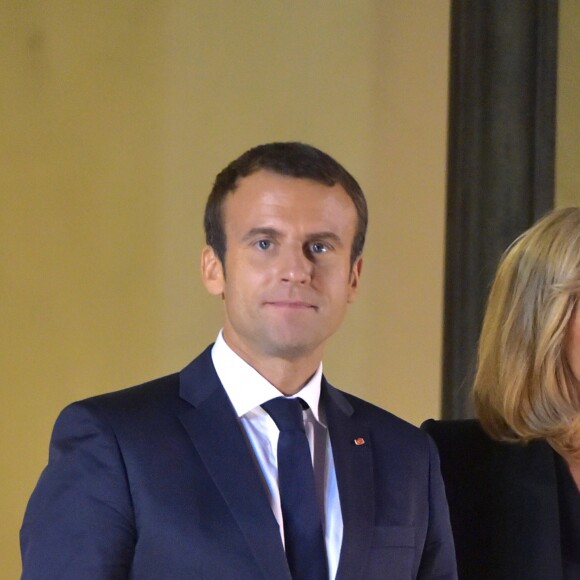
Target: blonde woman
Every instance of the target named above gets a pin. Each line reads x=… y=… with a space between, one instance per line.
x=513 y=477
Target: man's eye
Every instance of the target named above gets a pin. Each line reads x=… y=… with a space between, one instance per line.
x=318 y=248
x=264 y=244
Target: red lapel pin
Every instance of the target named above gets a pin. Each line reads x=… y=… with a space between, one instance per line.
x=359 y=441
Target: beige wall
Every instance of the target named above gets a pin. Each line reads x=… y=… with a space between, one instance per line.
x=568 y=127
x=117 y=115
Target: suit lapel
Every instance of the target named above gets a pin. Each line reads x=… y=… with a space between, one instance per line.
x=354 y=474
x=218 y=437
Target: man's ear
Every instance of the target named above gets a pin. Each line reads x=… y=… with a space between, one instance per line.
x=212 y=271
x=354 y=279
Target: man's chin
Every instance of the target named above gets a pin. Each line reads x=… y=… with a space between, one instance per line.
x=291 y=348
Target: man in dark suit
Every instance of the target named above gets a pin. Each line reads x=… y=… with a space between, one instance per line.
x=187 y=476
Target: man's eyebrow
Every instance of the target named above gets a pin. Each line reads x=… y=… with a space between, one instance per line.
x=270 y=232
x=330 y=236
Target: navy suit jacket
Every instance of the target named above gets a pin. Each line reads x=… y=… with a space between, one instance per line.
x=159 y=482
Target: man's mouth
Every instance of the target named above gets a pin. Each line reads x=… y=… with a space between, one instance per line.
x=291 y=304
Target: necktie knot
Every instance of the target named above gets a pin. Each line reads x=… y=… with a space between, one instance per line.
x=286 y=413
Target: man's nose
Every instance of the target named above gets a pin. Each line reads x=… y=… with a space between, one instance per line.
x=295 y=266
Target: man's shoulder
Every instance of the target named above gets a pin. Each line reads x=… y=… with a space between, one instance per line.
x=154 y=393
x=141 y=402
x=159 y=388
x=384 y=423
x=152 y=398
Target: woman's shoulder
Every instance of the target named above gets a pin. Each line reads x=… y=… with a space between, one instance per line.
x=462 y=434
x=464 y=443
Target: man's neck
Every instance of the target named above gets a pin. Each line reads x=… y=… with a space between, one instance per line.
x=288 y=375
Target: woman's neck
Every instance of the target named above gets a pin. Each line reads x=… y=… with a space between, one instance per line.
x=574 y=467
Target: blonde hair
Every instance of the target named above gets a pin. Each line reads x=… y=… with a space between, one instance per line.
x=524 y=386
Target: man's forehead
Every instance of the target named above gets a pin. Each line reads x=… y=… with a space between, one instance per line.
x=264 y=180
x=275 y=194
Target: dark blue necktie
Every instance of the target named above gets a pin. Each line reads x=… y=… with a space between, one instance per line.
x=303 y=535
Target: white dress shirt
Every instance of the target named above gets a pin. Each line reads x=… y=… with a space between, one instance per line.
x=247 y=390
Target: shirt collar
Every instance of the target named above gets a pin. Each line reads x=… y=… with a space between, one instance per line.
x=248 y=389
